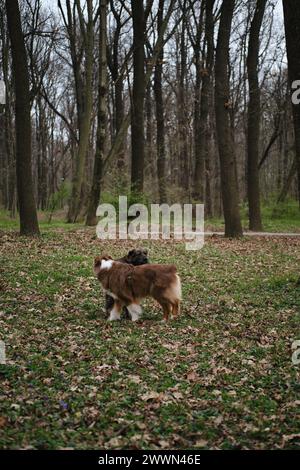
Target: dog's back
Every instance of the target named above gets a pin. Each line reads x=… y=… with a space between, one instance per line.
x=160 y=281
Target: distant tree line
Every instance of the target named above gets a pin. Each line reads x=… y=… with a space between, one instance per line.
x=168 y=100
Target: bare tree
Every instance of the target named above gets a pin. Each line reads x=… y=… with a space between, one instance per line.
x=117 y=68
x=291 y=10
x=204 y=69
x=138 y=97
x=159 y=107
x=102 y=118
x=230 y=197
x=83 y=88
x=254 y=119
x=181 y=95
x=27 y=207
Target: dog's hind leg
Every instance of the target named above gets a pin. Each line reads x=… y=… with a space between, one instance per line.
x=167 y=309
x=176 y=309
x=109 y=304
x=135 y=311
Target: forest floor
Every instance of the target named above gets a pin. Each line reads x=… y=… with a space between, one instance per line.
x=219 y=377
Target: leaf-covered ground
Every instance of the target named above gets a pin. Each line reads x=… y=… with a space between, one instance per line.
x=220 y=377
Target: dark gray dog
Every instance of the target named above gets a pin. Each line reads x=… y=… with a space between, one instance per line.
x=135 y=257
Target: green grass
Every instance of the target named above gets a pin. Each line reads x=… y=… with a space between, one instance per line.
x=220 y=376
x=283 y=217
x=58 y=222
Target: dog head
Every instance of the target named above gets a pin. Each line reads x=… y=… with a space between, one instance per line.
x=102 y=262
x=137 y=257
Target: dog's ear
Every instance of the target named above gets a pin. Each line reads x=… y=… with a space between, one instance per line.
x=145 y=252
x=106 y=257
x=97 y=261
x=97 y=264
x=131 y=253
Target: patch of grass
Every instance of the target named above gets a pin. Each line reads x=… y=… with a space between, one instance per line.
x=283 y=217
x=220 y=376
x=58 y=222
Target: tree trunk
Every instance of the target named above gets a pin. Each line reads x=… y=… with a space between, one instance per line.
x=159 y=107
x=27 y=207
x=41 y=138
x=128 y=117
x=254 y=119
x=202 y=104
x=150 y=154
x=183 y=153
x=230 y=197
x=138 y=97
x=84 y=97
x=117 y=78
x=102 y=119
x=288 y=181
x=291 y=9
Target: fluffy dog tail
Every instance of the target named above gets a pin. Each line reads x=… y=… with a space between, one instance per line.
x=176 y=288
x=173 y=296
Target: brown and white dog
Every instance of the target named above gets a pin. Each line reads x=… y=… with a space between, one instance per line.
x=129 y=285
x=137 y=257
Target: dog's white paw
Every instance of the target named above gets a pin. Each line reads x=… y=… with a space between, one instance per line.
x=114 y=315
x=135 y=311
x=135 y=318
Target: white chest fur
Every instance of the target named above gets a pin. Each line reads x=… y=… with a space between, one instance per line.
x=106 y=263
x=108 y=292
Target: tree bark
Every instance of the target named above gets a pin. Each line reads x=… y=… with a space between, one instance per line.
x=138 y=97
x=291 y=10
x=230 y=197
x=102 y=118
x=183 y=153
x=115 y=148
x=41 y=139
x=253 y=135
x=84 y=94
x=288 y=181
x=159 y=107
x=117 y=78
x=204 y=73
x=28 y=214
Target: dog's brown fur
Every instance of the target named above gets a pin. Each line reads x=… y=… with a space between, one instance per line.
x=130 y=284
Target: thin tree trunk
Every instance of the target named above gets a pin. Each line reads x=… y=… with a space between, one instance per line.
x=41 y=137
x=102 y=118
x=288 y=181
x=117 y=78
x=160 y=121
x=138 y=97
x=202 y=104
x=253 y=135
x=84 y=97
x=27 y=207
x=230 y=197
x=150 y=154
x=183 y=153
x=291 y=9
x=127 y=119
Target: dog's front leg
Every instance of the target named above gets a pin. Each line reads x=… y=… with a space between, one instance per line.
x=115 y=313
x=135 y=311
